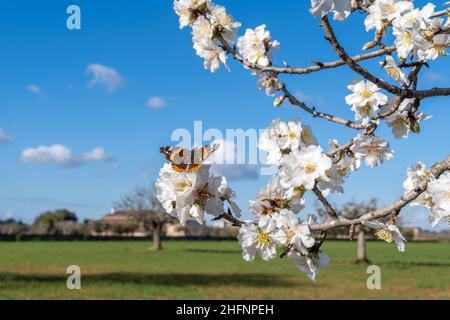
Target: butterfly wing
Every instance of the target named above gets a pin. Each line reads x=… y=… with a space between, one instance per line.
x=183 y=160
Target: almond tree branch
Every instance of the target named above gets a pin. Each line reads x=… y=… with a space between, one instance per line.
x=396 y=206
x=328 y=207
x=235 y=222
x=318 y=65
x=293 y=100
x=440 y=13
x=331 y=37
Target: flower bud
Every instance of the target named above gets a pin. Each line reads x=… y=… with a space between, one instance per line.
x=279 y=101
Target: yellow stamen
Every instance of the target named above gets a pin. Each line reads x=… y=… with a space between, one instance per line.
x=310 y=167
x=393 y=72
x=289 y=235
x=183 y=185
x=263 y=238
x=384 y=235
x=366 y=93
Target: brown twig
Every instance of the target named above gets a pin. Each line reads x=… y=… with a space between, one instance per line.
x=288 y=94
x=327 y=205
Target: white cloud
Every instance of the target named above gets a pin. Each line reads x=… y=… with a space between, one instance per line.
x=33 y=88
x=227 y=162
x=4 y=138
x=97 y=154
x=105 y=76
x=62 y=156
x=156 y=102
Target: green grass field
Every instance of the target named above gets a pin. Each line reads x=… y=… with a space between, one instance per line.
x=215 y=270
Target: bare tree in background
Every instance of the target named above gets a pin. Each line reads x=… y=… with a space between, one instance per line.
x=143 y=206
x=354 y=210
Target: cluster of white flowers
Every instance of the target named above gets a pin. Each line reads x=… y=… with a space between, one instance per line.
x=282 y=229
x=275 y=197
x=365 y=100
x=395 y=71
x=340 y=8
x=302 y=165
x=374 y=150
x=211 y=24
x=420 y=35
x=281 y=138
x=405 y=118
x=417 y=33
x=387 y=232
x=208 y=22
x=302 y=162
x=257 y=46
x=436 y=197
x=188 y=195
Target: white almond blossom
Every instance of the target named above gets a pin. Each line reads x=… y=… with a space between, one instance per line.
x=188 y=195
x=267 y=83
x=259 y=238
x=188 y=10
x=212 y=53
x=226 y=194
x=410 y=41
x=439 y=191
x=365 y=93
x=340 y=8
x=404 y=119
x=310 y=263
x=382 y=12
x=335 y=175
x=417 y=174
x=256 y=46
x=365 y=99
x=205 y=47
x=387 y=232
x=303 y=167
x=374 y=150
x=202 y=30
x=171 y=185
x=439 y=45
x=274 y=197
x=395 y=72
x=415 y=18
x=293 y=233
x=289 y=134
x=280 y=139
x=224 y=22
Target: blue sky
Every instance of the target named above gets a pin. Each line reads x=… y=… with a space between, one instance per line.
x=47 y=99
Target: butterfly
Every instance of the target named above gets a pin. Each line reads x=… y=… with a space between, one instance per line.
x=185 y=160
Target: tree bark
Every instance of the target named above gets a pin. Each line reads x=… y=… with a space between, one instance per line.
x=362 y=253
x=157 y=245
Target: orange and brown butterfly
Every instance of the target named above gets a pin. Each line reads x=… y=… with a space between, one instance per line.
x=185 y=160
